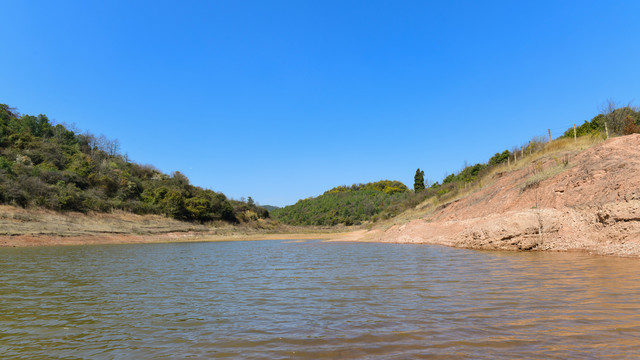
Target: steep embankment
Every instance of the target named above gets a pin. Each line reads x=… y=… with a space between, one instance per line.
x=586 y=201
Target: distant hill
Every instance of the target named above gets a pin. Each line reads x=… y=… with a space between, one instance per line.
x=270 y=207
x=50 y=166
x=347 y=205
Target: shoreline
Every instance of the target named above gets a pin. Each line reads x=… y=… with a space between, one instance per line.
x=174 y=237
x=20 y=227
x=357 y=235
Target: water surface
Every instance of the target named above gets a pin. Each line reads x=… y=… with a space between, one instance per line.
x=314 y=300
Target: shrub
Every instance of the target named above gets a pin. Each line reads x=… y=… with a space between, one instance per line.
x=49 y=165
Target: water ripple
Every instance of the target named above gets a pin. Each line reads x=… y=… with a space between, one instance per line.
x=314 y=300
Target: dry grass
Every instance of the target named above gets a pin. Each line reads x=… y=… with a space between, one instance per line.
x=560 y=150
x=40 y=222
x=18 y=221
x=542 y=175
x=557 y=148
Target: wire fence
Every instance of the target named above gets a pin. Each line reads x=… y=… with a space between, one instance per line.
x=539 y=142
x=554 y=132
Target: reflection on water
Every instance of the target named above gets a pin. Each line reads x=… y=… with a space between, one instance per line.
x=312 y=300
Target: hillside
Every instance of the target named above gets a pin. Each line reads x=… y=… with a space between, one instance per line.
x=348 y=205
x=43 y=165
x=564 y=199
x=60 y=186
x=362 y=204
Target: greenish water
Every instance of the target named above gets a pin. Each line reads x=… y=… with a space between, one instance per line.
x=314 y=300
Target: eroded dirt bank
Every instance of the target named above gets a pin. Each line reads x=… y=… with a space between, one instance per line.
x=586 y=201
x=39 y=227
x=97 y=239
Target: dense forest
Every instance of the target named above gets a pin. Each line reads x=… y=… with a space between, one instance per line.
x=349 y=205
x=47 y=165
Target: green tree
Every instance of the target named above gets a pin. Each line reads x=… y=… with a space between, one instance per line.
x=499 y=158
x=349 y=205
x=173 y=205
x=418 y=184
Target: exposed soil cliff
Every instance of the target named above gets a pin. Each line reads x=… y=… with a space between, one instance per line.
x=586 y=201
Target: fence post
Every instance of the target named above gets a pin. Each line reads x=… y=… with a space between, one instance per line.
x=549 y=135
x=575 y=134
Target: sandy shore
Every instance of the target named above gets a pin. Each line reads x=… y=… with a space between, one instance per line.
x=96 y=239
x=39 y=227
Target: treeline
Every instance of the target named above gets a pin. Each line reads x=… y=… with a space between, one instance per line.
x=349 y=205
x=613 y=120
x=469 y=174
x=47 y=165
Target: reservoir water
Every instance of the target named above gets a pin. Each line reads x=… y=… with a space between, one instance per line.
x=314 y=300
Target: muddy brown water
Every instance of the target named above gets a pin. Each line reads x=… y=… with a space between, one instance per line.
x=314 y=300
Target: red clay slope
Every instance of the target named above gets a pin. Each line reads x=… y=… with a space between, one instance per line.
x=591 y=204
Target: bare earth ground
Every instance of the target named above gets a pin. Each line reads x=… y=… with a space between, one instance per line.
x=591 y=204
x=38 y=227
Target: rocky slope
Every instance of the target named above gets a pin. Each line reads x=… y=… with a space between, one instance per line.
x=585 y=201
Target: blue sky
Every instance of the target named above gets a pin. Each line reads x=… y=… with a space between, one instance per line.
x=282 y=100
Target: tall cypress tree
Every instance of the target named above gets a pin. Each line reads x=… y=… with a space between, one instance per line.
x=418 y=184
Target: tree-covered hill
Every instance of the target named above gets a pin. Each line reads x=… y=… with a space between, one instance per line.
x=347 y=205
x=47 y=165
x=270 y=207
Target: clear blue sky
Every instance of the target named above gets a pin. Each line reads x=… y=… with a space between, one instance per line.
x=282 y=100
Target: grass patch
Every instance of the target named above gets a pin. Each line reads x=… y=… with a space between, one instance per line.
x=540 y=176
x=560 y=150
